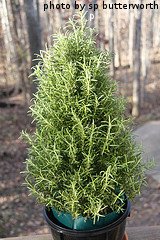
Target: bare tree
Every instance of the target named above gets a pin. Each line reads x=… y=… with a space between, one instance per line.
x=137 y=62
x=33 y=28
x=38 y=10
x=156 y=26
x=6 y=30
x=34 y=32
x=19 y=43
x=111 y=38
x=145 y=52
x=8 y=64
x=131 y=38
x=117 y=43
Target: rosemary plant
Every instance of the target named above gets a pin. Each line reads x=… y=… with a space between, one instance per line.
x=82 y=158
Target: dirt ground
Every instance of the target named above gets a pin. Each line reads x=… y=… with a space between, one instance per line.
x=19 y=214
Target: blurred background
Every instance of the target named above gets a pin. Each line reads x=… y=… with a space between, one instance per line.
x=133 y=36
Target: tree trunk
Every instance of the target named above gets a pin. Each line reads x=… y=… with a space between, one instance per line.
x=131 y=38
x=34 y=34
x=145 y=49
x=137 y=63
x=38 y=10
x=151 y=29
x=6 y=31
x=117 y=43
x=157 y=27
x=16 y=43
x=111 y=38
x=19 y=43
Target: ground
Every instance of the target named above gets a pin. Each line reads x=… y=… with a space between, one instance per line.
x=19 y=214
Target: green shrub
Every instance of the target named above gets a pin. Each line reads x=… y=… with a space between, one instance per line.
x=82 y=158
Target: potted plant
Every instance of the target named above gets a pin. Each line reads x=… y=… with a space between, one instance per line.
x=83 y=163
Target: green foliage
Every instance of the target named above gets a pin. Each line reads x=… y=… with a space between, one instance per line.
x=82 y=158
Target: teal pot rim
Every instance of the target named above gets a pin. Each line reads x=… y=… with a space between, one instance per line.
x=58 y=227
x=83 y=223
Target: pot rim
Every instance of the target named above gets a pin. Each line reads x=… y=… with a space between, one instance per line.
x=96 y=231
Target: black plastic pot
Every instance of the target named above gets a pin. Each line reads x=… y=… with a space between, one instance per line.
x=113 y=231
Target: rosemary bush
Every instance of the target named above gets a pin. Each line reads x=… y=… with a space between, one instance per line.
x=82 y=158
